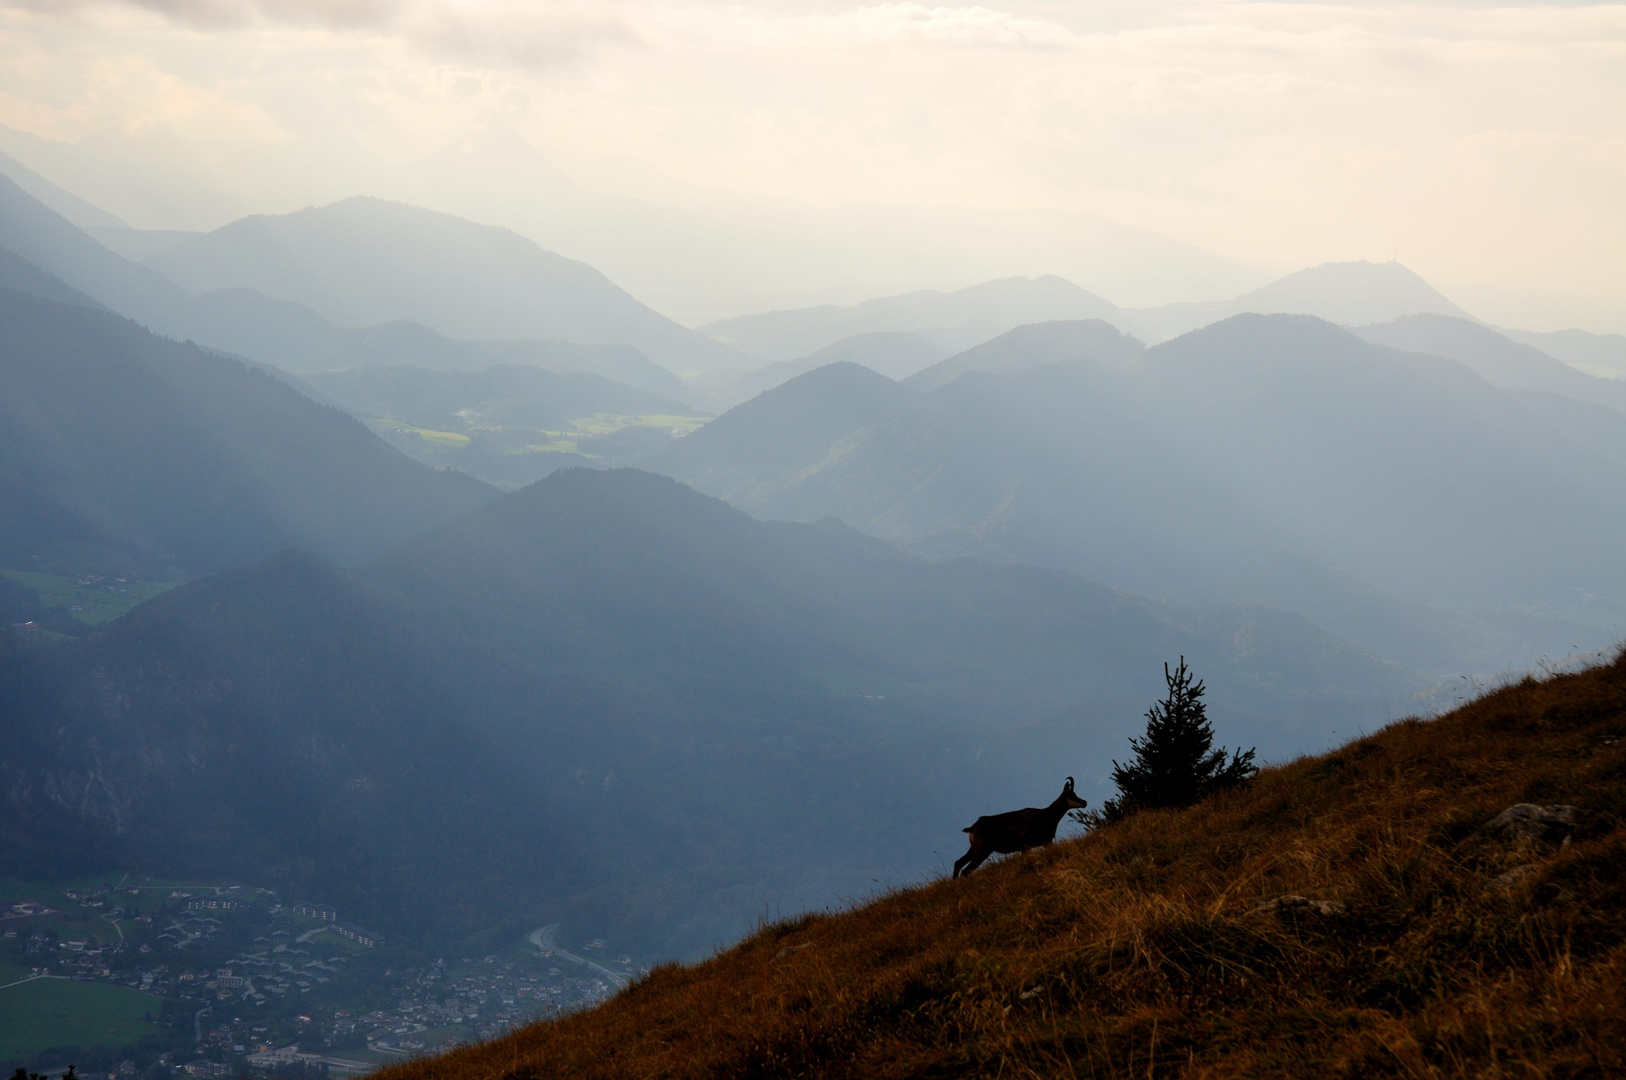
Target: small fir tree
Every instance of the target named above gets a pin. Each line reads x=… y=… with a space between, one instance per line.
x=1173 y=764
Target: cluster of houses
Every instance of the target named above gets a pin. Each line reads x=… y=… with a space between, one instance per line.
x=216 y=903
x=187 y=930
x=485 y=1004
x=25 y=908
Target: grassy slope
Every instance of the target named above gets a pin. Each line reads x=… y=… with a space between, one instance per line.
x=1138 y=948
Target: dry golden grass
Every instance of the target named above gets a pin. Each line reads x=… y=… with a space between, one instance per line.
x=1137 y=951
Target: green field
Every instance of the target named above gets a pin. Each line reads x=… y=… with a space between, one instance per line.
x=568 y=442
x=556 y=446
x=136 y=895
x=43 y=1013
x=445 y=440
x=605 y=423
x=97 y=603
x=11 y=970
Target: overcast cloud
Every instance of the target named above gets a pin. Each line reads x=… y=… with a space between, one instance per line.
x=1479 y=143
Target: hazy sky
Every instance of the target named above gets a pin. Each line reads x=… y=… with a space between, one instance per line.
x=1481 y=144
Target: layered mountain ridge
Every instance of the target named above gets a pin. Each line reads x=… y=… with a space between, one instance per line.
x=667 y=711
x=128 y=452
x=1191 y=471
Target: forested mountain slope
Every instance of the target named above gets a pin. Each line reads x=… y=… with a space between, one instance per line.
x=1350 y=294
x=639 y=709
x=897 y=354
x=778 y=433
x=956 y=320
x=1269 y=458
x=1495 y=358
x=252 y=324
x=1035 y=345
x=124 y=450
x=51 y=243
x=1603 y=355
x=21 y=276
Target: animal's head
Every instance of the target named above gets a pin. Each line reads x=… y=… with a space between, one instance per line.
x=1070 y=798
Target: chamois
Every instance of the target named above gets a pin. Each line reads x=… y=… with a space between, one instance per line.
x=1017 y=830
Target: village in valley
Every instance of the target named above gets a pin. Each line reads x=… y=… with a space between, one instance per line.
x=132 y=978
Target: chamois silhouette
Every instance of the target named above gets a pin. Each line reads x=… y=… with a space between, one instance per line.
x=1016 y=830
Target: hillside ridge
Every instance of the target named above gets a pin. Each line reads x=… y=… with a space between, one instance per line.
x=1363 y=913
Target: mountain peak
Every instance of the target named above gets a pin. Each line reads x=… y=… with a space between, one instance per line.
x=366 y=261
x=1035 y=345
x=956 y=320
x=1349 y=292
x=1346 y=293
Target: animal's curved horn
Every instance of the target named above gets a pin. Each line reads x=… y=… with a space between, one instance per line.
x=1069 y=782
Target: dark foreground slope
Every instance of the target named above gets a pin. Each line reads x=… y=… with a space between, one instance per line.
x=1145 y=949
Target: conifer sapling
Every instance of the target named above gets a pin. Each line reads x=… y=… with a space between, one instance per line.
x=1174 y=764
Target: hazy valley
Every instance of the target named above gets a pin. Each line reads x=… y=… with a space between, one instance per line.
x=368 y=557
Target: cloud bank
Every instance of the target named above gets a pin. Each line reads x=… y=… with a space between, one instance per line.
x=1478 y=142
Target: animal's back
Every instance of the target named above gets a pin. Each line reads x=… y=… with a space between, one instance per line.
x=999 y=820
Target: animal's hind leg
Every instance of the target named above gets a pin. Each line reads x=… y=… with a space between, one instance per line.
x=969 y=862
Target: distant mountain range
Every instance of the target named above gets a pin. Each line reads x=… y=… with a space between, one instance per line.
x=1270 y=458
x=1496 y=358
x=126 y=452
x=952 y=320
x=20 y=276
x=1350 y=294
x=48 y=241
x=285 y=332
x=616 y=700
x=609 y=699
x=604 y=697
x=1345 y=293
x=1028 y=347
x=897 y=354
x=722 y=254
x=1603 y=355
x=362 y=262
x=61 y=201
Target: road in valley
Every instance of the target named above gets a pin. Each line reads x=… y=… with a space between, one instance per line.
x=542 y=938
x=31 y=978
